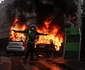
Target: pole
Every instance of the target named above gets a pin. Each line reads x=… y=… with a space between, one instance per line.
x=79 y=23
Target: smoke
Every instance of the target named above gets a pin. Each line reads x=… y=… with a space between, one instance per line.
x=39 y=9
x=19 y=9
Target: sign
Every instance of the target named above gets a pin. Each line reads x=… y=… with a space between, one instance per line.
x=73 y=18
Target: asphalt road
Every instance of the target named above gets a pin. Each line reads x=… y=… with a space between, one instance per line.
x=40 y=63
x=13 y=62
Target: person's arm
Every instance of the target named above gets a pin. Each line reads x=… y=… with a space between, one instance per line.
x=37 y=33
x=25 y=31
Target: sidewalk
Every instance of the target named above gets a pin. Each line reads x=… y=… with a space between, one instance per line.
x=5 y=63
x=69 y=64
x=76 y=65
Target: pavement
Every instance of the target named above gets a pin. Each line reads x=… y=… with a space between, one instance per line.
x=13 y=62
x=42 y=63
x=5 y=63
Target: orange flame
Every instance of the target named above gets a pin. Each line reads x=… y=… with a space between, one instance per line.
x=53 y=31
x=53 y=34
x=15 y=36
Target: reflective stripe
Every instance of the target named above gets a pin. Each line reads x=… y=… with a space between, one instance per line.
x=27 y=39
x=29 y=32
x=72 y=31
x=72 y=46
x=28 y=36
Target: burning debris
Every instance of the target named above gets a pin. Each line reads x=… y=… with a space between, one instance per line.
x=17 y=41
x=24 y=12
x=53 y=31
x=53 y=34
x=14 y=36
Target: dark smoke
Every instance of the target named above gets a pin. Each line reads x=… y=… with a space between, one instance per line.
x=42 y=8
x=19 y=9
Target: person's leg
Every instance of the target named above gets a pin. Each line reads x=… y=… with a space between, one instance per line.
x=26 y=55
x=31 y=55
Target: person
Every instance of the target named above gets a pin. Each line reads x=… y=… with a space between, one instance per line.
x=31 y=35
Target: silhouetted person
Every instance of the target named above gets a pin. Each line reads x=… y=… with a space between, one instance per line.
x=31 y=35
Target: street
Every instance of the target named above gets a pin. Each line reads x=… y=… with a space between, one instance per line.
x=40 y=63
x=15 y=62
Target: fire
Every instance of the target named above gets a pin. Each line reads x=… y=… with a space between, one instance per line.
x=54 y=34
x=53 y=31
x=15 y=36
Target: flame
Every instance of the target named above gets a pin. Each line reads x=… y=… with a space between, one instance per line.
x=15 y=36
x=53 y=31
x=53 y=34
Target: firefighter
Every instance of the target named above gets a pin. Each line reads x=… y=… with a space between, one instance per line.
x=31 y=35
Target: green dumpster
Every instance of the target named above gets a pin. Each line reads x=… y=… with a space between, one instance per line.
x=72 y=44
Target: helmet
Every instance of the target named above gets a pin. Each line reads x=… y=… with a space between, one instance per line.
x=32 y=27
